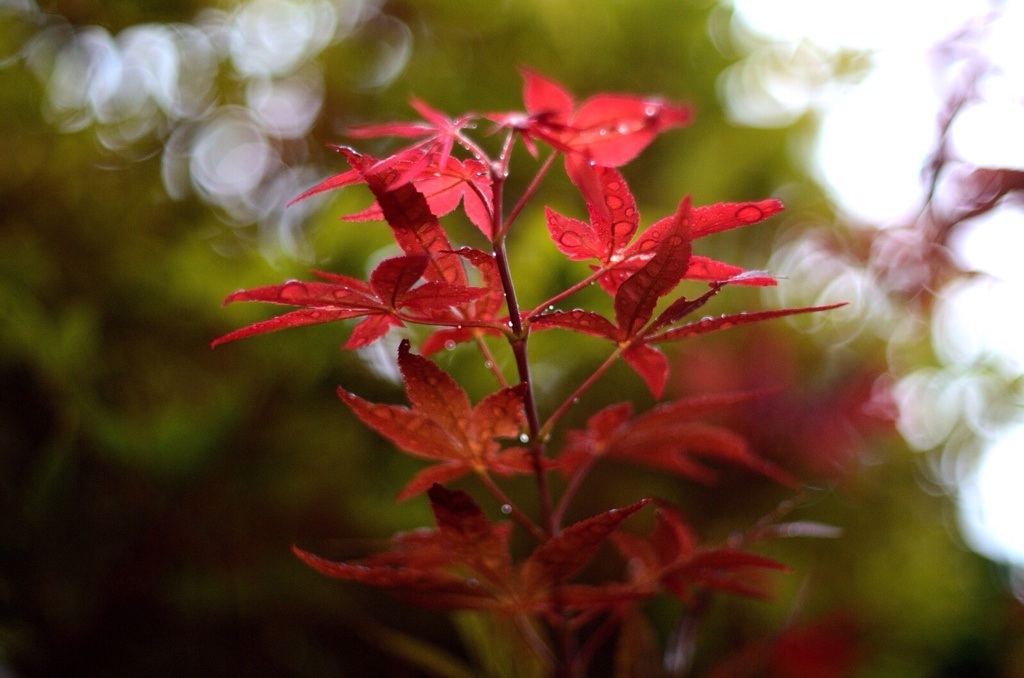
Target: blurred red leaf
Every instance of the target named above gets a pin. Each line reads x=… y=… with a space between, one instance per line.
x=666 y=437
x=565 y=554
x=672 y=561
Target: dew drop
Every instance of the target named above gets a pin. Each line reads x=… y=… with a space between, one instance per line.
x=488 y=364
x=506 y=509
x=569 y=239
x=650 y=110
x=575 y=400
x=748 y=214
x=524 y=438
x=449 y=345
x=622 y=228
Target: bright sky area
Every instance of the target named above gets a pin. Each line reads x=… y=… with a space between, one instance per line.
x=874 y=139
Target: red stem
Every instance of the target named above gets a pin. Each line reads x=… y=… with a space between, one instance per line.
x=518 y=343
x=525 y=197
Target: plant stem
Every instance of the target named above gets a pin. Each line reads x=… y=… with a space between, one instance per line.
x=527 y=194
x=519 y=349
x=567 y=293
x=574 y=398
x=570 y=491
x=513 y=510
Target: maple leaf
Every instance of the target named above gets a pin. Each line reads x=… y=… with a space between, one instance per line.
x=671 y=561
x=667 y=438
x=388 y=298
x=614 y=220
x=443 y=426
x=476 y=318
x=444 y=186
x=662 y=258
x=465 y=561
x=423 y=566
x=635 y=301
x=414 y=225
x=440 y=135
x=606 y=129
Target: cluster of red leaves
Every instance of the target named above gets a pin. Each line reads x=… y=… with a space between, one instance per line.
x=465 y=561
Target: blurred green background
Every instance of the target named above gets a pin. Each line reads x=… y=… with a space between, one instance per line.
x=150 y=487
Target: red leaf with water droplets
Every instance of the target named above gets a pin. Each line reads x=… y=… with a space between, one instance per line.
x=414 y=226
x=440 y=135
x=606 y=129
x=729 y=321
x=724 y=216
x=704 y=220
x=586 y=322
x=299 y=318
x=638 y=295
x=466 y=181
x=613 y=220
x=389 y=292
x=709 y=270
x=479 y=317
x=443 y=426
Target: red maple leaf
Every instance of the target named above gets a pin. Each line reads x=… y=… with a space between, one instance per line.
x=667 y=438
x=635 y=301
x=613 y=223
x=465 y=562
x=440 y=134
x=442 y=425
x=663 y=258
x=390 y=298
x=476 y=318
x=606 y=129
x=444 y=186
x=670 y=560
